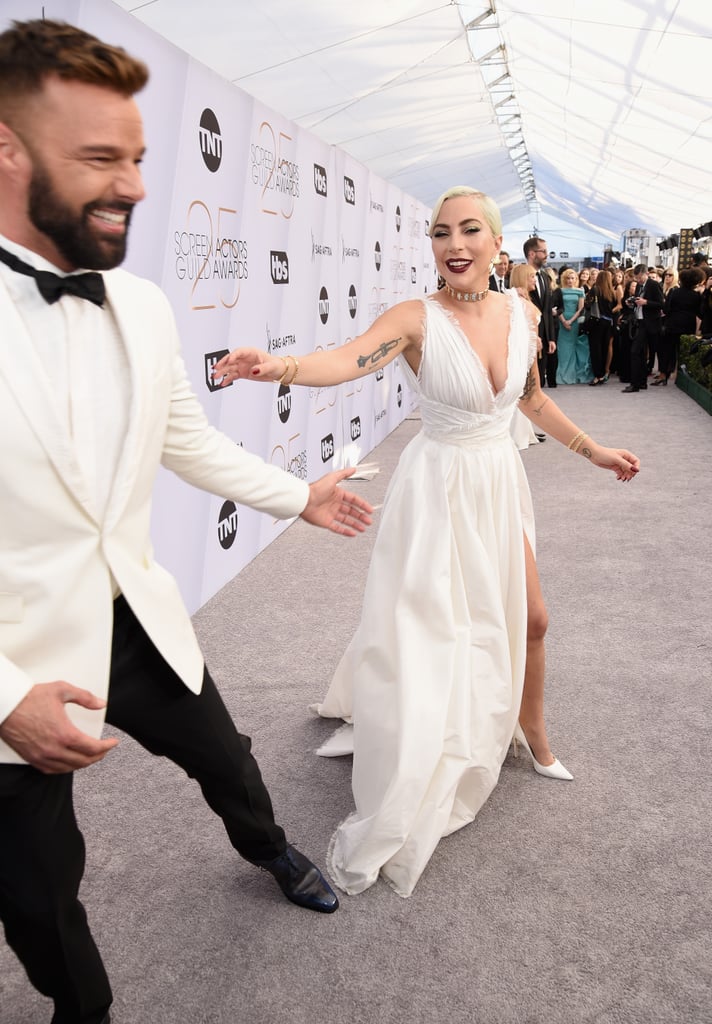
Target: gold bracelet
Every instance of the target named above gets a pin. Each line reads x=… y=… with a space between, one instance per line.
x=576 y=440
x=577 y=448
x=296 y=371
x=286 y=369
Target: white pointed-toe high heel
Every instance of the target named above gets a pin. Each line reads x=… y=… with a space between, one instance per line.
x=549 y=771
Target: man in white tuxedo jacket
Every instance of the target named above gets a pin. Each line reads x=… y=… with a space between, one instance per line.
x=90 y=625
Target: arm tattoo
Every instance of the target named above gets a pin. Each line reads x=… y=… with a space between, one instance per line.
x=539 y=408
x=380 y=353
x=529 y=386
x=587 y=453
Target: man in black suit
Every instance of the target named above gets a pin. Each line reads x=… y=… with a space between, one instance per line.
x=535 y=253
x=649 y=302
x=499 y=278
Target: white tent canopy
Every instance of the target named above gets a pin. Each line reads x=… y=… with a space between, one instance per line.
x=589 y=117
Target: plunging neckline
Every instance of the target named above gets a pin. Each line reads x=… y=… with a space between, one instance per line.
x=478 y=359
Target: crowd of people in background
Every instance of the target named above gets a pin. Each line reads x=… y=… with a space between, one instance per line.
x=597 y=322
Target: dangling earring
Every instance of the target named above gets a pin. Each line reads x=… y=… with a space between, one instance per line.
x=493 y=263
x=441 y=282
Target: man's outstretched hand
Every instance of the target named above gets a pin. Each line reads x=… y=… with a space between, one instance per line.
x=335 y=509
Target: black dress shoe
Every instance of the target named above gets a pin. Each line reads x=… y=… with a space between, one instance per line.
x=301 y=881
x=630 y=389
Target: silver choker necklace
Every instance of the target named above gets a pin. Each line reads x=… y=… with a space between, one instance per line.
x=466 y=296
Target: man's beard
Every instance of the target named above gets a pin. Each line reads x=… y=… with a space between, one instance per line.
x=70 y=233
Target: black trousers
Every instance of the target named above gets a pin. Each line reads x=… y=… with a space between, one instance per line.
x=42 y=849
x=645 y=341
x=547 y=364
x=598 y=337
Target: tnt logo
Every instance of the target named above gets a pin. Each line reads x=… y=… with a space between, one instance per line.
x=351 y=302
x=355 y=428
x=323 y=305
x=398 y=218
x=349 y=191
x=210 y=139
x=284 y=403
x=413 y=276
x=279 y=267
x=227 y=525
x=211 y=358
x=319 y=180
x=327 y=447
x=377 y=255
x=379 y=374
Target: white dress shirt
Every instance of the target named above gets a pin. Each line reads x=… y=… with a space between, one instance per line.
x=79 y=347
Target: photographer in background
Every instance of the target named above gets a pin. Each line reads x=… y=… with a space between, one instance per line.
x=649 y=302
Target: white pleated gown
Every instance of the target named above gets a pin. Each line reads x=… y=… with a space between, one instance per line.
x=433 y=677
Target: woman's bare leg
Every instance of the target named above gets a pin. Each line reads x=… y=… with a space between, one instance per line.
x=531 y=713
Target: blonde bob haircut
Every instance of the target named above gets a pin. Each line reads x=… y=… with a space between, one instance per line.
x=490 y=209
x=519 y=277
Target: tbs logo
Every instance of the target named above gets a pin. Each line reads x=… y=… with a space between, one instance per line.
x=349 y=191
x=398 y=218
x=327 y=447
x=319 y=180
x=279 y=267
x=355 y=428
x=227 y=525
x=211 y=358
x=210 y=139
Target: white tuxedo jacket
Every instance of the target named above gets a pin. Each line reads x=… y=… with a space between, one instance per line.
x=56 y=558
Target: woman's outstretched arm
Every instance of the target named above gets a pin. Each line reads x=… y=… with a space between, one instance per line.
x=546 y=415
x=399 y=330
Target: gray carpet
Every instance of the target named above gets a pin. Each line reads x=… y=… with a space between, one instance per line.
x=563 y=903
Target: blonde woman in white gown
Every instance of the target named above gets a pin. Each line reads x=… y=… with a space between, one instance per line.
x=453 y=613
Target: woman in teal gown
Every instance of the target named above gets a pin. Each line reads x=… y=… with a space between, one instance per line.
x=574 y=360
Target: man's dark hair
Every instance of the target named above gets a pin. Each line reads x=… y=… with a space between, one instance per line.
x=640 y=268
x=690 y=277
x=32 y=51
x=530 y=244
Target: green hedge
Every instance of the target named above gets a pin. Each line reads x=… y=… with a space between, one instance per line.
x=693 y=366
x=693 y=378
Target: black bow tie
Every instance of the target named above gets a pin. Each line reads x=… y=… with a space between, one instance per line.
x=52 y=287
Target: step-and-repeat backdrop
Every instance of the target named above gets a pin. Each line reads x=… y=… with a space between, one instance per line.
x=260 y=234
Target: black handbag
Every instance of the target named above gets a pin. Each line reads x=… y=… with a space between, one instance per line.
x=593 y=313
